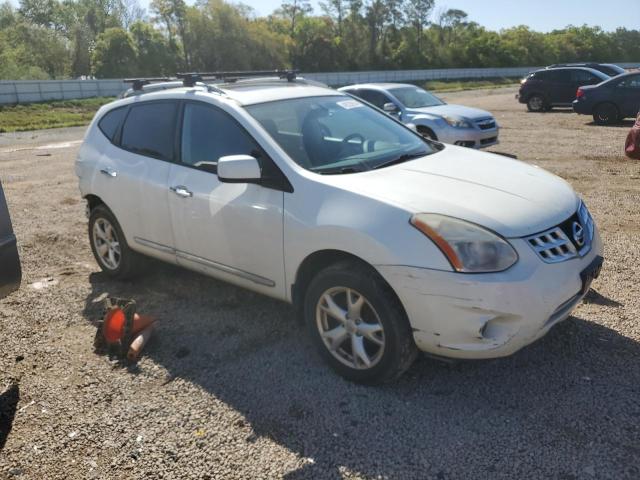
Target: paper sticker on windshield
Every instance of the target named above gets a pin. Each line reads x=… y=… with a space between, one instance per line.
x=349 y=104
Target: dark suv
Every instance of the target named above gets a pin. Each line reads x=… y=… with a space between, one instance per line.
x=547 y=88
x=606 y=68
x=10 y=272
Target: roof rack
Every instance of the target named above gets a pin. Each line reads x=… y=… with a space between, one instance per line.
x=191 y=78
x=138 y=83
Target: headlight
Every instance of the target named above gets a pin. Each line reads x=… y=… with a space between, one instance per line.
x=468 y=247
x=456 y=122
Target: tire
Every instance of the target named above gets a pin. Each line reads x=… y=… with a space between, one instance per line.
x=605 y=114
x=105 y=235
x=536 y=103
x=379 y=328
x=428 y=133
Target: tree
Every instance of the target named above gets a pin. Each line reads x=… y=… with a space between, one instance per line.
x=114 y=55
x=153 y=56
x=171 y=13
x=419 y=12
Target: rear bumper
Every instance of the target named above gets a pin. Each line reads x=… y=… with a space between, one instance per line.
x=489 y=315
x=581 y=107
x=10 y=272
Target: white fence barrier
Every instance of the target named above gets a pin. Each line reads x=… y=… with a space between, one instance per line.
x=30 y=91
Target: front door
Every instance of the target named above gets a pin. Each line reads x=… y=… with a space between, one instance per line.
x=233 y=231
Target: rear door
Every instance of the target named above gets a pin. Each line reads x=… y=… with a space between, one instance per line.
x=233 y=231
x=10 y=272
x=627 y=95
x=135 y=178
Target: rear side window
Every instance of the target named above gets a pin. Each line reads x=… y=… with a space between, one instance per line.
x=150 y=130
x=111 y=121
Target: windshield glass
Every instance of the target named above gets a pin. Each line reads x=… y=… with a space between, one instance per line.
x=414 y=97
x=338 y=134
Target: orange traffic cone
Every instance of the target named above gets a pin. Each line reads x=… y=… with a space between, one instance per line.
x=113 y=328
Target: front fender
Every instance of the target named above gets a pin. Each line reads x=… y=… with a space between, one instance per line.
x=374 y=231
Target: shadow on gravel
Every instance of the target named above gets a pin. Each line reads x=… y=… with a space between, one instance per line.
x=8 y=404
x=622 y=124
x=564 y=406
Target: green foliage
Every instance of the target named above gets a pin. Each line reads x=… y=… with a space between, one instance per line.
x=115 y=38
x=114 y=55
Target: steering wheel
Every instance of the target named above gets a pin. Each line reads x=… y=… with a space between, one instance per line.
x=346 y=141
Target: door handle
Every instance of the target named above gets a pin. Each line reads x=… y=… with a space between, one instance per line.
x=181 y=191
x=109 y=172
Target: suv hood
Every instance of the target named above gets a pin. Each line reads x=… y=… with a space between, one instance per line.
x=452 y=110
x=507 y=196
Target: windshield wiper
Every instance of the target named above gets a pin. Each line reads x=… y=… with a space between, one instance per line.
x=338 y=171
x=401 y=159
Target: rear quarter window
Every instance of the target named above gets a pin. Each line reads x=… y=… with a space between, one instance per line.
x=110 y=122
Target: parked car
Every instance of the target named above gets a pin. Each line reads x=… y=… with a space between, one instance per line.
x=10 y=272
x=610 y=101
x=547 y=88
x=433 y=118
x=609 y=69
x=386 y=242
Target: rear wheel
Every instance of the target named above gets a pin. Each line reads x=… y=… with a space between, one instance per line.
x=605 y=114
x=110 y=247
x=358 y=324
x=536 y=103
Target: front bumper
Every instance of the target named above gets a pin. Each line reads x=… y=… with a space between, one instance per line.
x=468 y=137
x=469 y=316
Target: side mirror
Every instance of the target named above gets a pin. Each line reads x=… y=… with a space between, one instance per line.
x=239 y=169
x=390 y=107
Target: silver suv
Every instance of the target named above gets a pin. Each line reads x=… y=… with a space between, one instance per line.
x=433 y=118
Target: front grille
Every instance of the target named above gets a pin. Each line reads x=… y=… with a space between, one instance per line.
x=486 y=141
x=552 y=246
x=571 y=238
x=486 y=124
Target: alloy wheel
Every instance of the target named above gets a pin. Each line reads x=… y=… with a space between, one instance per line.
x=350 y=328
x=107 y=244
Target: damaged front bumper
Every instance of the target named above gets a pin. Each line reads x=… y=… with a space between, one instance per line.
x=475 y=316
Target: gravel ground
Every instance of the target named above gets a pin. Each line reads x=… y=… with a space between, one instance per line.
x=229 y=387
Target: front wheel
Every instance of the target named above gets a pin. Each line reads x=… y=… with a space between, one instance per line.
x=427 y=133
x=358 y=324
x=536 y=103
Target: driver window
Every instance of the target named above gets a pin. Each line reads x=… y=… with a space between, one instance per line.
x=374 y=98
x=208 y=134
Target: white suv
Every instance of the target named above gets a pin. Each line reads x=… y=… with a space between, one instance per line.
x=386 y=242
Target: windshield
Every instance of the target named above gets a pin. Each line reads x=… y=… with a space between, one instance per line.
x=414 y=97
x=338 y=134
